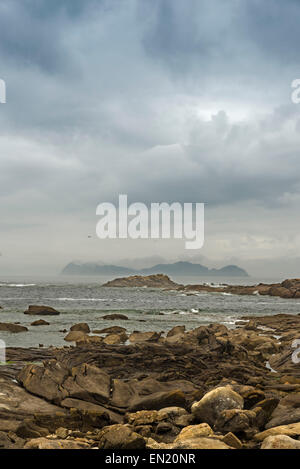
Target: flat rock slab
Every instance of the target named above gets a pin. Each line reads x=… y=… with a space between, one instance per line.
x=16 y=404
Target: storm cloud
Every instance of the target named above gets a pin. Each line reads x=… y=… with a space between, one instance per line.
x=162 y=100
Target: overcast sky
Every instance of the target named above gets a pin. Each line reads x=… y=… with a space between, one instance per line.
x=163 y=100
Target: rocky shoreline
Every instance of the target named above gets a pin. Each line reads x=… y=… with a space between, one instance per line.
x=208 y=388
x=289 y=288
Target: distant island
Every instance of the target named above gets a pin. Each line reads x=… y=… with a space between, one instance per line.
x=177 y=268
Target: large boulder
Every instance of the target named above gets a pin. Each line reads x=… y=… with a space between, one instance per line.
x=210 y=407
x=118 y=437
x=55 y=383
x=115 y=339
x=281 y=292
x=15 y=328
x=280 y=442
x=75 y=336
x=151 y=281
x=35 y=310
x=82 y=327
x=40 y=322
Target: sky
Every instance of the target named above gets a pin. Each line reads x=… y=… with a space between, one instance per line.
x=163 y=100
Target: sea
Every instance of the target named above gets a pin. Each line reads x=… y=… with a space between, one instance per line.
x=84 y=299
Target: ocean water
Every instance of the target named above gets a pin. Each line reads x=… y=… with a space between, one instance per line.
x=85 y=300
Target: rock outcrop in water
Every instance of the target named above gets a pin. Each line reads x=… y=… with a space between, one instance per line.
x=204 y=388
x=14 y=328
x=150 y=281
x=35 y=310
x=287 y=289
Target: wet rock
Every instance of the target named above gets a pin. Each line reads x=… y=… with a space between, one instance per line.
x=40 y=322
x=118 y=437
x=281 y=292
x=210 y=407
x=82 y=327
x=115 y=316
x=14 y=328
x=36 y=310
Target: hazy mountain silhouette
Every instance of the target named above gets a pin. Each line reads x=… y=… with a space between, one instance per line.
x=177 y=268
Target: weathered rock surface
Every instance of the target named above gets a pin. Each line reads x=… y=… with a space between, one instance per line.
x=14 y=328
x=110 y=330
x=144 y=337
x=151 y=281
x=40 y=322
x=288 y=411
x=209 y=388
x=75 y=336
x=36 y=310
x=280 y=442
x=115 y=316
x=120 y=437
x=115 y=339
x=194 y=431
x=292 y=430
x=82 y=327
x=287 y=289
x=211 y=406
x=48 y=443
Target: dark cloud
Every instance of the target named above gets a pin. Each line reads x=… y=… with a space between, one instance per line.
x=163 y=100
